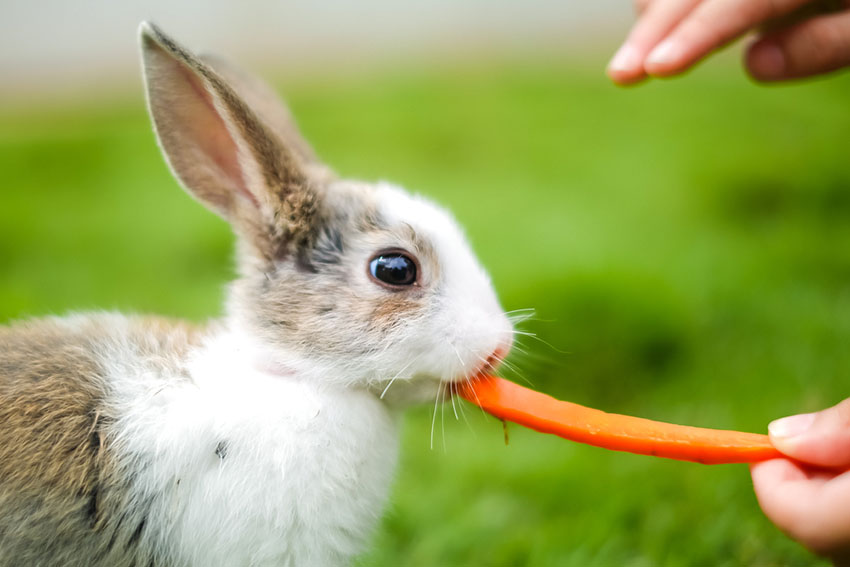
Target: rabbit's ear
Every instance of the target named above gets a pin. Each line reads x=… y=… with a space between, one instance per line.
x=223 y=152
x=263 y=100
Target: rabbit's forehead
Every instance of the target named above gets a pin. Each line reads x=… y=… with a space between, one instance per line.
x=426 y=220
x=398 y=206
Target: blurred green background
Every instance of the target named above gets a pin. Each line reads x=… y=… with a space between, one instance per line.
x=685 y=244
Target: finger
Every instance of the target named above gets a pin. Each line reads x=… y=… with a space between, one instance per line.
x=814 y=511
x=821 y=438
x=812 y=47
x=659 y=17
x=711 y=24
x=642 y=5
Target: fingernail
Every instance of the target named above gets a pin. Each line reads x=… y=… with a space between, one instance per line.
x=626 y=59
x=667 y=51
x=791 y=426
x=767 y=61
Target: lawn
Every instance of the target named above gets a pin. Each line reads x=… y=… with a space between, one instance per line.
x=686 y=246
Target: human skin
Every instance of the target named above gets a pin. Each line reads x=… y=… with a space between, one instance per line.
x=808 y=495
x=793 y=38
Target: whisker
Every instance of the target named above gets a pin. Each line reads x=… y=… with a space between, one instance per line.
x=478 y=402
x=443 y=416
x=434 y=418
x=466 y=420
x=452 y=392
x=515 y=371
x=511 y=368
x=518 y=348
x=393 y=379
x=459 y=358
x=537 y=338
x=384 y=393
x=520 y=313
x=523 y=333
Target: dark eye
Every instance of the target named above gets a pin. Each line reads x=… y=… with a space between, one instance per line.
x=393 y=268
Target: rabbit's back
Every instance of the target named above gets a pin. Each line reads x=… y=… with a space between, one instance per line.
x=62 y=491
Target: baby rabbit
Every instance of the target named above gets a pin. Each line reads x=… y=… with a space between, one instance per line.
x=263 y=438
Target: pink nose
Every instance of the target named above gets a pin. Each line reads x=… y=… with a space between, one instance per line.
x=499 y=354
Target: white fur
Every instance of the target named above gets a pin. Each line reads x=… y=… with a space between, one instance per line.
x=470 y=324
x=306 y=470
x=249 y=455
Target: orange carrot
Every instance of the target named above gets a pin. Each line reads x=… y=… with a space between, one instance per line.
x=509 y=401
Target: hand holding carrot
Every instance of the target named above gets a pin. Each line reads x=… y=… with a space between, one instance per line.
x=811 y=505
x=795 y=38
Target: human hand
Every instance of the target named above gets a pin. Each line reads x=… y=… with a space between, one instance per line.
x=811 y=504
x=798 y=38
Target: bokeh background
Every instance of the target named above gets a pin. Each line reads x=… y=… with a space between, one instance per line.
x=685 y=244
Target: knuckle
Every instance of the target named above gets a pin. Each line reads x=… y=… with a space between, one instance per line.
x=770 y=9
x=839 y=32
x=641 y=5
x=761 y=11
x=823 y=44
x=702 y=29
x=824 y=41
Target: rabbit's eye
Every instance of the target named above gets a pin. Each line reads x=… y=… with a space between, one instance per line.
x=394 y=269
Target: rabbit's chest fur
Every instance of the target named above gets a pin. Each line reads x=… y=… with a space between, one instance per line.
x=248 y=467
x=158 y=447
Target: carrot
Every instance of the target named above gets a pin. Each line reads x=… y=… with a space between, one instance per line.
x=509 y=401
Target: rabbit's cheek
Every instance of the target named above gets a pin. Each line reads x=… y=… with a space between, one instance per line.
x=395 y=311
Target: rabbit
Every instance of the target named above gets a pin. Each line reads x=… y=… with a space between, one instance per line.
x=268 y=436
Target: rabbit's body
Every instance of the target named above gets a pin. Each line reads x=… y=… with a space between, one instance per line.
x=268 y=437
x=144 y=442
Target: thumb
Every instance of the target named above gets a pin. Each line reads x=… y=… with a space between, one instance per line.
x=821 y=439
x=811 y=47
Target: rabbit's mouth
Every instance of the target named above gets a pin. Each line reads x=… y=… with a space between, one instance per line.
x=489 y=365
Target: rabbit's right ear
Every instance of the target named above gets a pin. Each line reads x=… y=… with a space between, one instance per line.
x=224 y=153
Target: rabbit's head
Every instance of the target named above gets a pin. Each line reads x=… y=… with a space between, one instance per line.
x=344 y=281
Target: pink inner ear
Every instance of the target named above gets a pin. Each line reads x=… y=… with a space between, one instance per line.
x=210 y=133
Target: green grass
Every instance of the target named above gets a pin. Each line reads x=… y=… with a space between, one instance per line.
x=686 y=245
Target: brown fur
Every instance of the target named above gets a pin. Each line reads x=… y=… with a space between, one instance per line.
x=393 y=311
x=69 y=488
x=260 y=98
x=319 y=311
x=60 y=484
x=279 y=217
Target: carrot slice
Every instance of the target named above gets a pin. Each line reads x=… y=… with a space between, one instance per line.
x=509 y=401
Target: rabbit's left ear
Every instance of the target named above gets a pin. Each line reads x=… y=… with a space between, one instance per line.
x=222 y=151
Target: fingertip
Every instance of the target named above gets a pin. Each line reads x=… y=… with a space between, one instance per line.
x=626 y=79
x=813 y=46
x=666 y=59
x=626 y=67
x=820 y=439
x=766 y=61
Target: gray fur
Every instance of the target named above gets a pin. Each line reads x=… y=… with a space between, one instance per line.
x=67 y=492
x=80 y=396
x=63 y=491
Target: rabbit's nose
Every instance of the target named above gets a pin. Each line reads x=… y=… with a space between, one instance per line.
x=495 y=359
x=503 y=349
